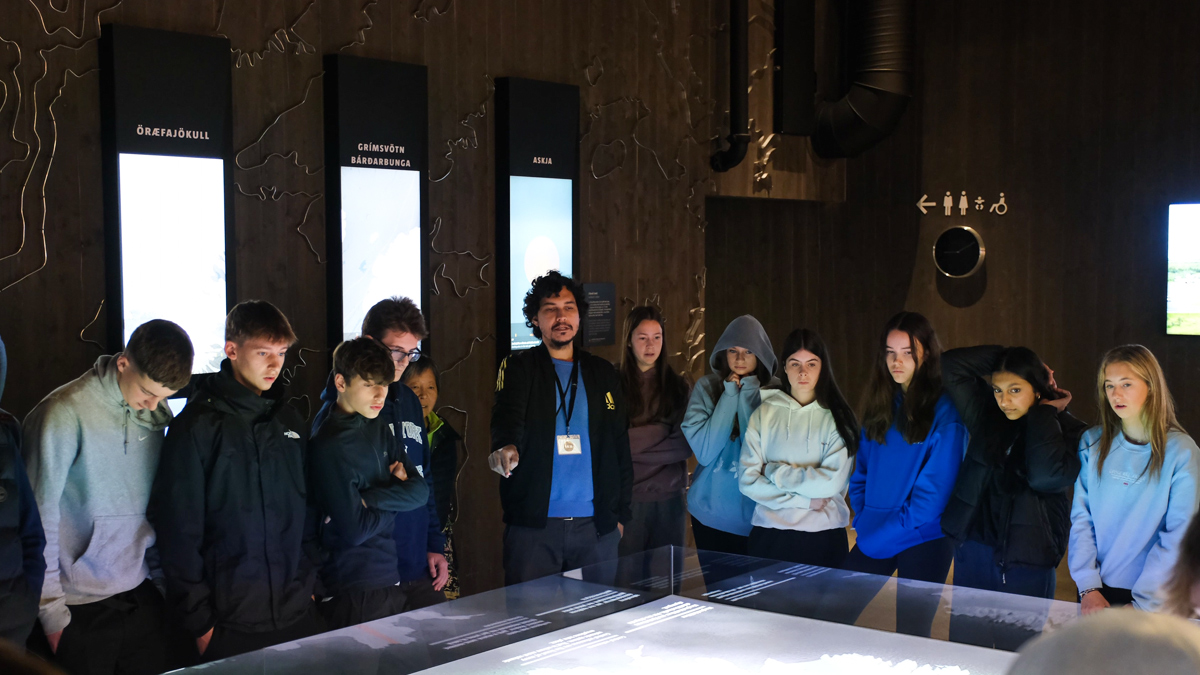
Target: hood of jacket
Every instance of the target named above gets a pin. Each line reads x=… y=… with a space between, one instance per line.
x=745 y=332
x=778 y=403
x=226 y=394
x=107 y=382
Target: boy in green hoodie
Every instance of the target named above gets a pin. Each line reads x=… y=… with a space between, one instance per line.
x=359 y=477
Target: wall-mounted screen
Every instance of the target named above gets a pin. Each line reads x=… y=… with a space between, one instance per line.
x=166 y=141
x=381 y=240
x=173 y=248
x=1183 y=269
x=540 y=235
x=537 y=169
x=376 y=129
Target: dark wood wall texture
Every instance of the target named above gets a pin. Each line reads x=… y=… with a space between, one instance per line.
x=1082 y=114
x=643 y=67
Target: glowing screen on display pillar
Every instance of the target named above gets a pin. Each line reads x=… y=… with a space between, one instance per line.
x=540 y=234
x=381 y=240
x=173 y=248
x=1183 y=269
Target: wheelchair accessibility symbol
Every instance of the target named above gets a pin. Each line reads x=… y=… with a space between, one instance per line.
x=999 y=208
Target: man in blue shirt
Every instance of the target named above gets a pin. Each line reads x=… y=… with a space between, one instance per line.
x=560 y=440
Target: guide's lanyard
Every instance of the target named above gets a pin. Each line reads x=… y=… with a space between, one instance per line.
x=562 y=393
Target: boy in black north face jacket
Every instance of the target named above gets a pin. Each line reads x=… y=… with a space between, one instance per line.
x=361 y=477
x=235 y=534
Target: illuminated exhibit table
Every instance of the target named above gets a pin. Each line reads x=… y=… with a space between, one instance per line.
x=675 y=611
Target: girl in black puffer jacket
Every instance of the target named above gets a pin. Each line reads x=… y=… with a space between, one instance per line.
x=1010 y=510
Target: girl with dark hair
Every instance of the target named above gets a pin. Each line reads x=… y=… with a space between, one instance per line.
x=719 y=409
x=1010 y=511
x=908 y=459
x=1136 y=490
x=656 y=398
x=796 y=460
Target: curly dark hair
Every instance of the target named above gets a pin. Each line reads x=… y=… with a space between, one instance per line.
x=549 y=285
x=366 y=358
x=395 y=313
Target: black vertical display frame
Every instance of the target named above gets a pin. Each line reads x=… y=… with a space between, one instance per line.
x=376 y=115
x=161 y=93
x=537 y=135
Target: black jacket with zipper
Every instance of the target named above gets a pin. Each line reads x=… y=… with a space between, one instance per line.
x=1013 y=488
x=236 y=536
x=357 y=499
x=524 y=415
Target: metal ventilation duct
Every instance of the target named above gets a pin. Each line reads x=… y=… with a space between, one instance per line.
x=881 y=82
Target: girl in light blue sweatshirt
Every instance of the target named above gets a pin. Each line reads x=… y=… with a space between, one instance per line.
x=1136 y=492
x=718 y=413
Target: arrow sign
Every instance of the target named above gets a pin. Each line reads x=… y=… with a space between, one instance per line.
x=921 y=204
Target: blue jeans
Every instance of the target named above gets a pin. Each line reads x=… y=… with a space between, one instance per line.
x=975 y=567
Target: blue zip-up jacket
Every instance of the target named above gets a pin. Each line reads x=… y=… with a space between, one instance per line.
x=418 y=532
x=715 y=498
x=899 y=491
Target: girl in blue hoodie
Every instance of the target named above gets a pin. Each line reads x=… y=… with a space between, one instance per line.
x=1136 y=491
x=912 y=445
x=718 y=412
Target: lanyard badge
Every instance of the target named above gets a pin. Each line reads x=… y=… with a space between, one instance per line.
x=568 y=443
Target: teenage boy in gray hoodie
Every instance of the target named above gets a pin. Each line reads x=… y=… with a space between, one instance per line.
x=92 y=448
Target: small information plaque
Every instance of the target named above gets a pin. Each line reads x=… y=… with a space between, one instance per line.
x=600 y=329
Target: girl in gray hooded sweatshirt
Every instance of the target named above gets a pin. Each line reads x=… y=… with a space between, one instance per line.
x=718 y=413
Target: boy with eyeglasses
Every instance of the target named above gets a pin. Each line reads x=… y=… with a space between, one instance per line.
x=421 y=562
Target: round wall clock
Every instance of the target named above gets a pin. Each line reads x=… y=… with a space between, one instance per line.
x=959 y=252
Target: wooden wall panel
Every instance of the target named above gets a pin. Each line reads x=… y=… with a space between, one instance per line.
x=1078 y=112
x=643 y=68
x=840 y=268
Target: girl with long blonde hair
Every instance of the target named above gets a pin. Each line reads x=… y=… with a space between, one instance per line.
x=1136 y=491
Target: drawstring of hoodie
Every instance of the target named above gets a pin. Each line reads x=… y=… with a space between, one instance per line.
x=126 y=430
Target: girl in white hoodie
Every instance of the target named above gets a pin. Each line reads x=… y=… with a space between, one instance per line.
x=796 y=460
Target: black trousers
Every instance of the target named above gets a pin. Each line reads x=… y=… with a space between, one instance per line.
x=351 y=609
x=915 y=606
x=125 y=634
x=715 y=550
x=18 y=610
x=827 y=548
x=654 y=525
x=1117 y=597
x=227 y=642
x=718 y=541
x=564 y=544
